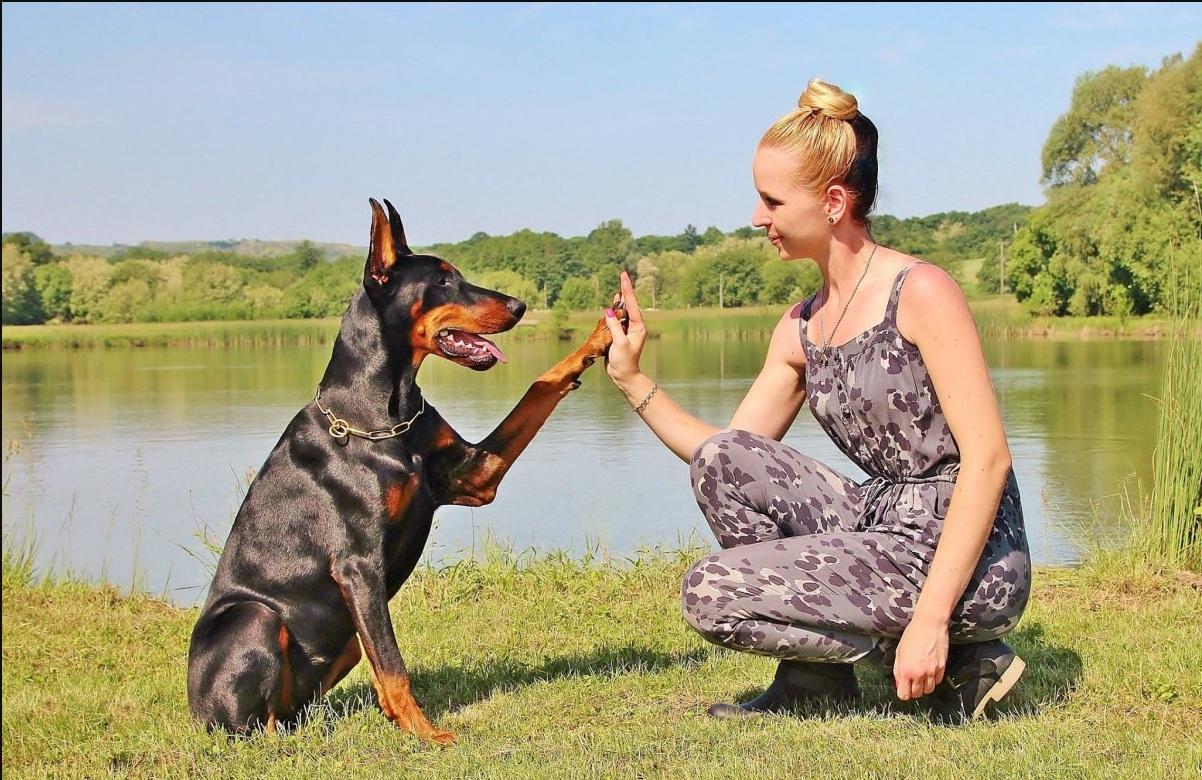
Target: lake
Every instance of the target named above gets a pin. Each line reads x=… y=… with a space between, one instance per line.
x=117 y=461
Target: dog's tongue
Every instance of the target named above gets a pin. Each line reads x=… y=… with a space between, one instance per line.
x=480 y=341
x=495 y=350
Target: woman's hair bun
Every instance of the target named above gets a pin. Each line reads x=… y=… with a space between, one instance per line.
x=829 y=100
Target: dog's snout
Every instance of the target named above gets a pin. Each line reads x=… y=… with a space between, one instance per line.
x=517 y=307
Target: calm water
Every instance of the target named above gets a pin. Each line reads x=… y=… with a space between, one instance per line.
x=116 y=459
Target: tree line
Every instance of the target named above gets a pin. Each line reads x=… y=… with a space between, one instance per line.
x=692 y=268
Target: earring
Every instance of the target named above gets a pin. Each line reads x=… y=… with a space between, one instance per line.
x=831 y=220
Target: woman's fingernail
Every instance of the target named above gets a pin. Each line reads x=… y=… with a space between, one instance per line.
x=610 y=313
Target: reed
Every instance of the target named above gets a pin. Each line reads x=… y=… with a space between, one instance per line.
x=1167 y=532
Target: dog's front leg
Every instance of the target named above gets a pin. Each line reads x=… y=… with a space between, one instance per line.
x=361 y=581
x=485 y=464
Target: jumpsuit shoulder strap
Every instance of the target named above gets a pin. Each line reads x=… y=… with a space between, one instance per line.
x=895 y=293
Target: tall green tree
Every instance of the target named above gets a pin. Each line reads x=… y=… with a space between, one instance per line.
x=509 y=283
x=37 y=250
x=607 y=249
x=1122 y=169
x=307 y=256
x=1096 y=131
x=53 y=282
x=21 y=303
x=212 y=282
x=579 y=294
x=89 y=287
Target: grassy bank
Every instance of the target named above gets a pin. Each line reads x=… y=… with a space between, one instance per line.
x=556 y=668
x=252 y=333
x=997 y=317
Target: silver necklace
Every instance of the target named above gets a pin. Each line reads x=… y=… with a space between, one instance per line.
x=823 y=356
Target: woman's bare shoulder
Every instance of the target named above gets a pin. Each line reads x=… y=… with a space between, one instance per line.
x=927 y=282
x=785 y=345
x=930 y=298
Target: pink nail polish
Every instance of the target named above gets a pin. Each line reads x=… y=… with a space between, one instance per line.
x=610 y=313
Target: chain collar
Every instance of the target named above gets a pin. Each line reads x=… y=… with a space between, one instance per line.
x=340 y=428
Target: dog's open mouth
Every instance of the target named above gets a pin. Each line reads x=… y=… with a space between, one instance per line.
x=475 y=350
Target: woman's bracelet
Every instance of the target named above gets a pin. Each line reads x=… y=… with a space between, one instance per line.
x=643 y=404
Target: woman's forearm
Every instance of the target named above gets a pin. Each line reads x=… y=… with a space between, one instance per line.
x=966 y=529
x=680 y=431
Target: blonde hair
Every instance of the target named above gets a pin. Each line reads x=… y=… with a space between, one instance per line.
x=834 y=142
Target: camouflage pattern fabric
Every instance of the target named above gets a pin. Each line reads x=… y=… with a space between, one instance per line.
x=817 y=567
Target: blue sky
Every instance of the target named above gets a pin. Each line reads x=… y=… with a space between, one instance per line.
x=124 y=123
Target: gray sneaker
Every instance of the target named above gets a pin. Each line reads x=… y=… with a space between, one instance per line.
x=795 y=683
x=977 y=675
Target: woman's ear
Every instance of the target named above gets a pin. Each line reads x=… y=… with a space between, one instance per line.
x=836 y=203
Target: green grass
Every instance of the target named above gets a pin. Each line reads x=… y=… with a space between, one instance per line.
x=251 y=333
x=1171 y=531
x=1001 y=316
x=998 y=316
x=556 y=668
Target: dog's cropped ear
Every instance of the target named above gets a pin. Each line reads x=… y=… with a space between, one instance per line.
x=382 y=254
x=398 y=231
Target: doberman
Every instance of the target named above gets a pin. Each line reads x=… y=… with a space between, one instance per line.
x=337 y=517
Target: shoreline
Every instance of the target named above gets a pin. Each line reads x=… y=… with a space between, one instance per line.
x=996 y=320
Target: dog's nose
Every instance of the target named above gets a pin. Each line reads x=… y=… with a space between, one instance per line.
x=516 y=306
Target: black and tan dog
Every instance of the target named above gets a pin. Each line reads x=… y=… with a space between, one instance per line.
x=338 y=515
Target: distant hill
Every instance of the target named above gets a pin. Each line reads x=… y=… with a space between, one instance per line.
x=252 y=247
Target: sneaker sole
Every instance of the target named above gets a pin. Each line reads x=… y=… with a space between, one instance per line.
x=1002 y=686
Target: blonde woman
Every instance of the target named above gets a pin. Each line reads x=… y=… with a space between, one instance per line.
x=923 y=567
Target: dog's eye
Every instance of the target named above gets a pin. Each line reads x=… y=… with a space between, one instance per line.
x=445 y=281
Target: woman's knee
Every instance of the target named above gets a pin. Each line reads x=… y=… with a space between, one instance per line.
x=707 y=451
x=723 y=453
x=704 y=600
x=995 y=606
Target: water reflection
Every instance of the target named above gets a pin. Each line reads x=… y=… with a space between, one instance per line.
x=118 y=457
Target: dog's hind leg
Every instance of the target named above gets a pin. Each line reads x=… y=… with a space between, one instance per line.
x=239 y=674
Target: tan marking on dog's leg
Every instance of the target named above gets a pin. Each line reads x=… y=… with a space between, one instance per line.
x=284 y=696
x=342 y=666
x=396 y=699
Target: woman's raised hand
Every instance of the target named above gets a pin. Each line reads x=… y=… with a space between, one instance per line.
x=622 y=363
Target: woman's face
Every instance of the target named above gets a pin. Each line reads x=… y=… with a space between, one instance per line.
x=794 y=219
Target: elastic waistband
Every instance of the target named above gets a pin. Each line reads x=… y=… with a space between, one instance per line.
x=946 y=473
x=878 y=486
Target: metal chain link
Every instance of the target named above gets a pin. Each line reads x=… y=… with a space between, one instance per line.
x=340 y=428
